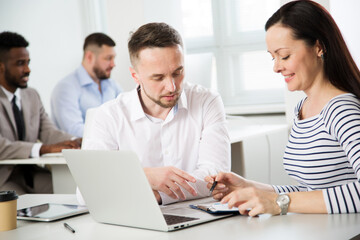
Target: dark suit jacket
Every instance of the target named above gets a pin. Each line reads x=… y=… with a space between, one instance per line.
x=38 y=127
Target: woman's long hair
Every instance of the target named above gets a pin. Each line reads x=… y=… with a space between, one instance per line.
x=311 y=22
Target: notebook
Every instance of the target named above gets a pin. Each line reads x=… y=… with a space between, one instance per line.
x=116 y=191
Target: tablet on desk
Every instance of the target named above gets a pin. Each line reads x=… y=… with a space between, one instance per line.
x=50 y=212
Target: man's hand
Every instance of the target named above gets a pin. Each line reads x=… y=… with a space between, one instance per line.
x=169 y=180
x=227 y=183
x=158 y=197
x=57 y=147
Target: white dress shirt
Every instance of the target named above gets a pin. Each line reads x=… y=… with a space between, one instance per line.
x=193 y=137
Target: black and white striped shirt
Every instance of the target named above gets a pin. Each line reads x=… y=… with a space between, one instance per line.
x=323 y=153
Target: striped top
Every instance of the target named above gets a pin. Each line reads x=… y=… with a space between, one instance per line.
x=323 y=153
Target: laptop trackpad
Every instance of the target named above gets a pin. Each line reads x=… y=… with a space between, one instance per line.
x=177 y=210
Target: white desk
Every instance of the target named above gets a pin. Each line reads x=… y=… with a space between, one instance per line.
x=239 y=130
x=291 y=226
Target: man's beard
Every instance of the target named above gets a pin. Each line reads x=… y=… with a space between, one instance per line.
x=101 y=74
x=161 y=104
x=13 y=81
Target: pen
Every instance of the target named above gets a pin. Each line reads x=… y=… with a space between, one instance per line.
x=213 y=186
x=67 y=226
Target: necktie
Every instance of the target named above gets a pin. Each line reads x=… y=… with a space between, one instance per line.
x=18 y=119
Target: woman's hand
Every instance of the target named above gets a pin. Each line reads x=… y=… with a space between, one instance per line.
x=227 y=183
x=252 y=201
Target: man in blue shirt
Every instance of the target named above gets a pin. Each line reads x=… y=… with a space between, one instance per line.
x=87 y=87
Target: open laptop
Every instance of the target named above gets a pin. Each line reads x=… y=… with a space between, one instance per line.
x=116 y=191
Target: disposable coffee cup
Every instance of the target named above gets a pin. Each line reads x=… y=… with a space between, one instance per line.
x=8 y=204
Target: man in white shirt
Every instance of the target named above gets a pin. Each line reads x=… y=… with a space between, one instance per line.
x=178 y=130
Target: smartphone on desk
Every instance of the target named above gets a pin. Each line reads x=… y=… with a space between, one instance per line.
x=50 y=212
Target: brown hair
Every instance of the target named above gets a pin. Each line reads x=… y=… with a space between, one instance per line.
x=98 y=39
x=152 y=35
x=311 y=22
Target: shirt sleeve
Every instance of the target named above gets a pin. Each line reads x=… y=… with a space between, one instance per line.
x=343 y=122
x=99 y=131
x=66 y=110
x=35 y=150
x=289 y=188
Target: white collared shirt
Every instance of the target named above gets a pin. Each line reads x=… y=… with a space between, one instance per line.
x=10 y=96
x=35 y=150
x=193 y=137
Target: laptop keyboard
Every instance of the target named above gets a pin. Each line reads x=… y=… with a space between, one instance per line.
x=173 y=219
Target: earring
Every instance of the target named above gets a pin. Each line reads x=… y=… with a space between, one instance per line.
x=322 y=56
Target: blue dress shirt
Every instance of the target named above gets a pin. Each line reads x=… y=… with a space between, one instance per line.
x=74 y=95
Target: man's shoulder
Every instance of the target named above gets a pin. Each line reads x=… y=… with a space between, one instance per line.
x=122 y=101
x=199 y=93
x=68 y=85
x=118 y=109
x=69 y=78
x=191 y=88
x=29 y=91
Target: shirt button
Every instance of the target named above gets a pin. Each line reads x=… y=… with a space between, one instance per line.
x=166 y=152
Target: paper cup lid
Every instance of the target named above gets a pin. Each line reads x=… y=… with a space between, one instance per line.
x=8 y=196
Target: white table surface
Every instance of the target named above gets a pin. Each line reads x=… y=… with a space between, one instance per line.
x=291 y=226
x=41 y=160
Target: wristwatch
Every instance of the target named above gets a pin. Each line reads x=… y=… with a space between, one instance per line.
x=283 y=201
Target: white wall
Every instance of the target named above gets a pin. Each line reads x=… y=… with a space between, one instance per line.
x=346 y=15
x=124 y=17
x=55 y=31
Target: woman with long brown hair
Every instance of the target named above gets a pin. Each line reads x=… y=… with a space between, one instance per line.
x=323 y=151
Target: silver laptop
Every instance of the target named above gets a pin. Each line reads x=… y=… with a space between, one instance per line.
x=116 y=191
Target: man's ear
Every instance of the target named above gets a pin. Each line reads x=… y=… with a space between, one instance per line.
x=134 y=75
x=89 y=56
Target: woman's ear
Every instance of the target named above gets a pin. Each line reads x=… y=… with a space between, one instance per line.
x=320 y=49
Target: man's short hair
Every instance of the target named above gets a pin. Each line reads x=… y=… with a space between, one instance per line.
x=9 y=40
x=152 y=35
x=98 y=39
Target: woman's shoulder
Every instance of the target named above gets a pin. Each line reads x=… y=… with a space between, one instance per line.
x=342 y=102
x=341 y=107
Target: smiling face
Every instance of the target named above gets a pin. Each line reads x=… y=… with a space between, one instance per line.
x=300 y=64
x=160 y=73
x=15 y=71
